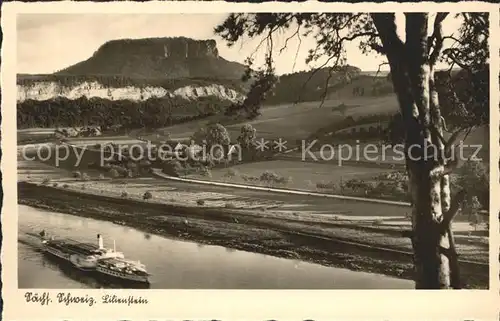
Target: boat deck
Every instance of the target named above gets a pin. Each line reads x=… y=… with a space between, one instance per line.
x=108 y=263
x=68 y=245
x=114 y=260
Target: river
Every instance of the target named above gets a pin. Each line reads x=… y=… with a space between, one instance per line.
x=174 y=264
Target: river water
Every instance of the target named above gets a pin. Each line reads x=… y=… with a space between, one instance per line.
x=174 y=264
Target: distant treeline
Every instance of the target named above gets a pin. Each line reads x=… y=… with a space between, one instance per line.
x=152 y=113
x=310 y=85
x=118 y=81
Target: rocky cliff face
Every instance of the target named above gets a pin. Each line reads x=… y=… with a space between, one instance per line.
x=180 y=48
x=139 y=69
x=46 y=90
x=158 y=58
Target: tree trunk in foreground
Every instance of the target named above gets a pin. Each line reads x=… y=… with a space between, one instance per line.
x=436 y=264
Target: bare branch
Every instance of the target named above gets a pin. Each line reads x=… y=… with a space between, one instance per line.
x=380 y=65
x=351 y=19
x=452 y=54
x=325 y=92
x=357 y=35
x=287 y=39
x=269 y=35
x=297 y=52
x=443 y=121
x=313 y=73
x=438 y=36
x=259 y=45
x=453 y=211
x=457 y=41
x=443 y=170
x=454 y=136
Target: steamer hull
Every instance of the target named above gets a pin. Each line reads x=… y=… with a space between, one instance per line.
x=123 y=269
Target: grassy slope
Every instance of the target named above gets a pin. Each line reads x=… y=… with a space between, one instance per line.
x=295 y=121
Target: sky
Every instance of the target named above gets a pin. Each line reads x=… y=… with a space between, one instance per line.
x=50 y=42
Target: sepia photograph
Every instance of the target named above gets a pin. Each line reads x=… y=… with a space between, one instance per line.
x=253 y=150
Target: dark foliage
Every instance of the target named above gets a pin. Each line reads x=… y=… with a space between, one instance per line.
x=152 y=113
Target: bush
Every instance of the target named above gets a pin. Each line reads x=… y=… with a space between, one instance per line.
x=249 y=178
x=205 y=172
x=85 y=177
x=284 y=180
x=172 y=168
x=323 y=185
x=476 y=220
x=55 y=184
x=147 y=196
x=473 y=176
x=398 y=190
x=114 y=173
x=124 y=194
x=45 y=181
x=200 y=202
x=77 y=174
x=231 y=173
x=269 y=177
x=131 y=165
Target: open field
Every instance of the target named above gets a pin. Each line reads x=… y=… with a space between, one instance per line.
x=298 y=176
x=301 y=177
x=316 y=176
x=303 y=118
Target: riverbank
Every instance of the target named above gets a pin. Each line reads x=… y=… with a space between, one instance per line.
x=331 y=242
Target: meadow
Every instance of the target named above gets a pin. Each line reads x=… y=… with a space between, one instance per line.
x=299 y=175
x=288 y=121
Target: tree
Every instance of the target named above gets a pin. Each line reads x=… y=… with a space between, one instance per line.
x=200 y=136
x=247 y=136
x=246 y=141
x=412 y=63
x=472 y=176
x=217 y=135
x=216 y=138
x=471 y=208
x=265 y=80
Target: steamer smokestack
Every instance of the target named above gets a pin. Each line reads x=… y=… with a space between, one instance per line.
x=100 y=242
